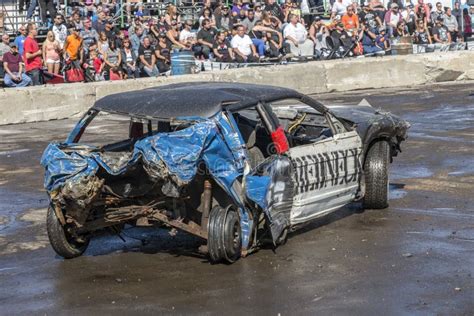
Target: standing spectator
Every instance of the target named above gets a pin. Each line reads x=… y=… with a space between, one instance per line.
x=51 y=50
x=350 y=20
x=409 y=16
x=438 y=12
x=45 y=7
x=163 y=54
x=110 y=31
x=457 y=12
x=76 y=20
x=369 y=18
x=243 y=47
x=147 y=58
x=102 y=44
x=467 y=32
x=451 y=23
x=73 y=48
x=129 y=60
x=32 y=55
x=273 y=9
x=296 y=36
x=13 y=66
x=318 y=33
x=88 y=34
x=441 y=34
x=205 y=39
x=249 y=21
x=20 y=39
x=59 y=30
x=222 y=49
x=392 y=17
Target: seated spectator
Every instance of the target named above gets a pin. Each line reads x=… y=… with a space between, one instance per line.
x=342 y=41
x=350 y=20
x=113 y=62
x=146 y=55
x=296 y=36
x=382 y=40
x=20 y=39
x=224 y=20
x=51 y=51
x=205 y=40
x=392 y=17
x=368 y=41
x=88 y=34
x=13 y=67
x=243 y=47
x=129 y=60
x=163 y=54
x=102 y=44
x=98 y=65
x=409 y=16
x=4 y=48
x=400 y=30
x=172 y=15
x=186 y=36
x=137 y=38
x=273 y=9
x=318 y=33
x=438 y=12
x=451 y=24
x=369 y=18
x=441 y=34
x=207 y=14
x=172 y=36
x=273 y=44
x=222 y=49
x=59 y=30
x=249 y=21
x=421 y=34
x=339 y=8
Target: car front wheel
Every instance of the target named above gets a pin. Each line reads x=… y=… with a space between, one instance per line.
x=63 y=243
x=224 y=235
x=376 y=176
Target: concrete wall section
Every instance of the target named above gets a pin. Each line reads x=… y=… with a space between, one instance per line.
x=67 y=100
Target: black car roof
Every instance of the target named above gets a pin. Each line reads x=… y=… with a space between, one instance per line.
x=202 y=99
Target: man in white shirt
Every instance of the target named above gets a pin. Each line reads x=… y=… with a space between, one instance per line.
x=296 y=37
x=243 y=47
x=340 y=7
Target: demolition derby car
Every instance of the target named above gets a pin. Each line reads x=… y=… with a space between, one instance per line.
x=233 y=164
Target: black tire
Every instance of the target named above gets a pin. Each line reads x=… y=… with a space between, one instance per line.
x=62 y=242
x=376 y=176
x=224 y=235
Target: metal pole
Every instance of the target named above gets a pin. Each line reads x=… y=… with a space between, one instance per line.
x=121 y=13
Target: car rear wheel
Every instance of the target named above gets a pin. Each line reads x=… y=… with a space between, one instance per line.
x=224 y=235
x=63 y=243
x=376 y=176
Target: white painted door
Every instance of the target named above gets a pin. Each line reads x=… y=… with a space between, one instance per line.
x=327 y=175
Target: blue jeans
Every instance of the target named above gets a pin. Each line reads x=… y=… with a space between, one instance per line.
x=31 y=9
x=260 y=45
x=25 y=81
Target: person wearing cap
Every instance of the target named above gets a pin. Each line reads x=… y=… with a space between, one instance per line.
x=13 y=67
x=318 y=33
x=409 y=16
x=186 y=36
x=224 y=20
x=296 y=36
x=381 y=40
x=367 y=38
x=441 y=36
x=88 y=34
x=392 y=17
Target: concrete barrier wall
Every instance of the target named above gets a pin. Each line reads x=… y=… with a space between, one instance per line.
x=67 y=100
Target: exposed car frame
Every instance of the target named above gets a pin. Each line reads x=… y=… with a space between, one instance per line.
x=224 y=164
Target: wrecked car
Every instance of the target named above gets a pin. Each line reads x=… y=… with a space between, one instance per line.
x=234 y=164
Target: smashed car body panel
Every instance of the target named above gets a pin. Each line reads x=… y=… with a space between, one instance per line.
x=220 y=160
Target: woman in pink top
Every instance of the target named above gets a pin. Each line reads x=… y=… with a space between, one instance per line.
x=51 y=50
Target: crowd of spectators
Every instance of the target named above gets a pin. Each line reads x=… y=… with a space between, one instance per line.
x=89 y=45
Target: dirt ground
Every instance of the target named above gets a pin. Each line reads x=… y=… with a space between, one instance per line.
x=415 y=258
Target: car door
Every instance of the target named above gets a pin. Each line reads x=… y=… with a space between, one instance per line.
x=326 y=173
